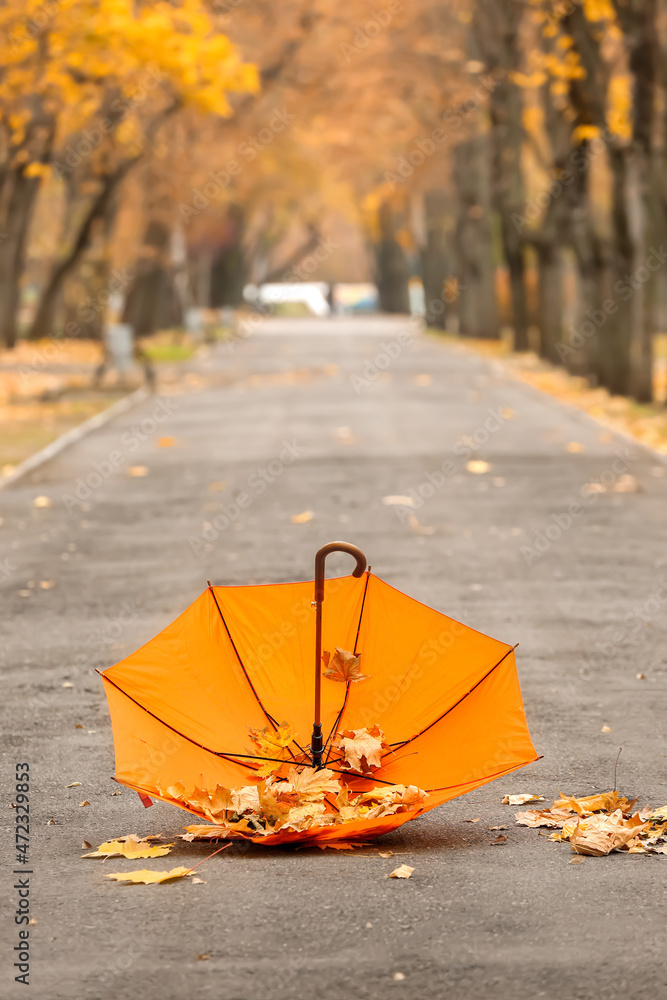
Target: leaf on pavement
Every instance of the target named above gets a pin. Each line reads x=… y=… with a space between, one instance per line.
x=342 y=666
x=500 y=839
x=149 y=878
x=626 y=484
x=476 y=820
x=659 y=814
x=403 y=871
x=302 y=518
x=600 y=834
x=129 y=849
x=398 y=500
x=520 y=800
x=362 y=748
x=603 y=801
x=73 y=784
x=418 y=527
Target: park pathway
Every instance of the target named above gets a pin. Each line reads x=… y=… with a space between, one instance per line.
x=326 y=419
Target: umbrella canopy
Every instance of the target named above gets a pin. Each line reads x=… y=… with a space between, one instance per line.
x=228 y=687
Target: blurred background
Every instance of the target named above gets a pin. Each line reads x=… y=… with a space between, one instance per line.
x=170 y=169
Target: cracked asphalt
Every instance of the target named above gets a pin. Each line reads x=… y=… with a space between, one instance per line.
x=330 y=417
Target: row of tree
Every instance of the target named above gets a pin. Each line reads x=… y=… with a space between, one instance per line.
x=510 y=153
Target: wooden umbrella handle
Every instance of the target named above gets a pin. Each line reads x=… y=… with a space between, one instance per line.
x=316 y=742
x=321 y=556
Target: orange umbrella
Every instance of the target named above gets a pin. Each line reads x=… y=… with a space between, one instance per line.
x=225 y=714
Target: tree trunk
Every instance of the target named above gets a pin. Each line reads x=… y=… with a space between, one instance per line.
x=435 y=258
x=550 y=286
x=152 y=301
x=476 y=268
x=17 y=220
x=392 y=266
x=229 y=273
x=96 y=210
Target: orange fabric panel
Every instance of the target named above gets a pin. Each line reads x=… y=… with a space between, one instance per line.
x=273 y=628
x=419 y=662
x=483 y=736
x=149 y=755
x=190 y=677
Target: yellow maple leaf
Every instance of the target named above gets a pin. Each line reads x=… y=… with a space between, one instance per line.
x=272 y=743
x=604 y=801
x=342 y=666
x=129 y=849
x=147 y=877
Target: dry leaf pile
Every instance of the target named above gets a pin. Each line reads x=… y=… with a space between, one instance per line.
x=303 y=799
x=596 y=825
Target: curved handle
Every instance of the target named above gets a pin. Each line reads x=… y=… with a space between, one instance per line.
x=321 y=556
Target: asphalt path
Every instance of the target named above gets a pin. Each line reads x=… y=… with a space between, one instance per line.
x=330 y=417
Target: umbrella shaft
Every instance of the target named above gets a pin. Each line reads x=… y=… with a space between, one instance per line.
x=316 y=744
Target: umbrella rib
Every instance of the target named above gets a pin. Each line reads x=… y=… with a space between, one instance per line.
x=455 y=705
x=229 y=755
x=245 y=672
x=270 y=718
x=347 y=689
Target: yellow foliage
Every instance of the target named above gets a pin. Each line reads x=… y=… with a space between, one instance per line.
x=110 y=65
x=619 y=115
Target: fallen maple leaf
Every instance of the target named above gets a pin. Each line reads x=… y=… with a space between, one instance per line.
x=73 y=784
x=418 y=527
x=601 y=802
x=476 y=820
x=543 y=817
x=303 y=518
x=84 y=803
x=659 y=813
x=403 y=871
x=309 y=784
x=600 y=834
x=362 y=748
x=342 y=666
x=272 y=743
x=520 y=800
x=149 y=878
x=129 y=849
x=500 y=839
